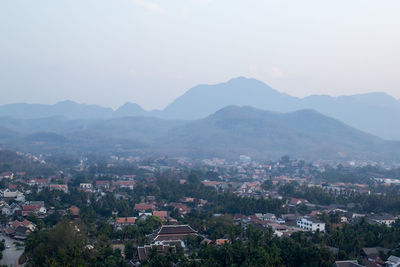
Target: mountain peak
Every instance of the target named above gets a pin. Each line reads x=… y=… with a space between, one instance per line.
x=66 y=103
x=129 y=109
x=200 y=101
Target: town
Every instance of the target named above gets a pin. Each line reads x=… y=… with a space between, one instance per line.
x=133 y=211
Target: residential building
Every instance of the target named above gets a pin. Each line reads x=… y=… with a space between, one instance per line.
x=161 y=214
x=393 y=261
x=7 y=175
x=103 y=184
x=124 y=184
x=349 y=263
x=59 y=187
x=124 y=221
x=387 y=219
x=144 y=252
x=85 y=186
x=310 y=224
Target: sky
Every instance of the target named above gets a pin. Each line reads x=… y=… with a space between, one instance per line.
x=149 y=52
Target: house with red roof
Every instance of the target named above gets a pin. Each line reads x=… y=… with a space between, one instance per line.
x=24 y=223
x=222 y=241
x=161 y=214
x=35 y=207
x=182 y=208
x=297 y=201
x=124 y=221
x=103 y=184
x=74 y=210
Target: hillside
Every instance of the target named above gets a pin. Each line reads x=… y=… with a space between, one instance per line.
x=375 y=113
x=228 y=133
x=244 y=130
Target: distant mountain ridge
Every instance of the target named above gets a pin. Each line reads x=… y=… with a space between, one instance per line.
x=228 y=133
x=375 y=113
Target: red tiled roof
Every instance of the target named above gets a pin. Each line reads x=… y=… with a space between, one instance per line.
x=124 y=220
x=30 y=207
x=180 y=206
x=74 y=210
x=12 y=186
x=25 y=223
x=126 y=183
x=10 y=231
x=160 y=214
x=220 y=242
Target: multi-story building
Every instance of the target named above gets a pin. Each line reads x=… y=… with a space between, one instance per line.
x=310 y=224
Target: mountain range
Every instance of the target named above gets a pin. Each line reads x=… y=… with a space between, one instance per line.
x=228 y=133
x=375 y=113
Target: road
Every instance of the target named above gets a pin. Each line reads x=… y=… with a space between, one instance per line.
x=10 y=255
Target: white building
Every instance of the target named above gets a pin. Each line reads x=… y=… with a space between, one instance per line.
x=244 y=159
x=310 y=224
x=85 y=186
x=393 y=261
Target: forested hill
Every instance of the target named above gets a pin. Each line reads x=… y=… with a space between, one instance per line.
x=228 y=133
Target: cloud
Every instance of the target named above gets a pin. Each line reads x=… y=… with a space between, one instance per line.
x=277 y=73
x=153 y=7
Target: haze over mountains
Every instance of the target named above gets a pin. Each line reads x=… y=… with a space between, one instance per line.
x=227 y=133
x=223 y=120
x=375 y=113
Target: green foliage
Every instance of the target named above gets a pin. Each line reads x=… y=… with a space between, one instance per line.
x=66 y=245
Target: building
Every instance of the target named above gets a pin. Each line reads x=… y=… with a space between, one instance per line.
x=33 y=207
x=7 y=175
x=174 y=232
x=124 y=184
x=9 y=209
x=85 y=186
x=144 y=252
x=18 y=196
x=161 y=214
x=74 y=211
x=24 y=223
x=222 y=241
x=387 y=219
x=103 y=184
x=310 y=224
x=393 y=261
x=244 y=159
x=39 y=182
x=349 y=263
x=123 y=221
x=59 y=187
x=372 y=256
x=182 y=208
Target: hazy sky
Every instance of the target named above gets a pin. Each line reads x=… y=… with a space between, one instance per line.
x=151 y=51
